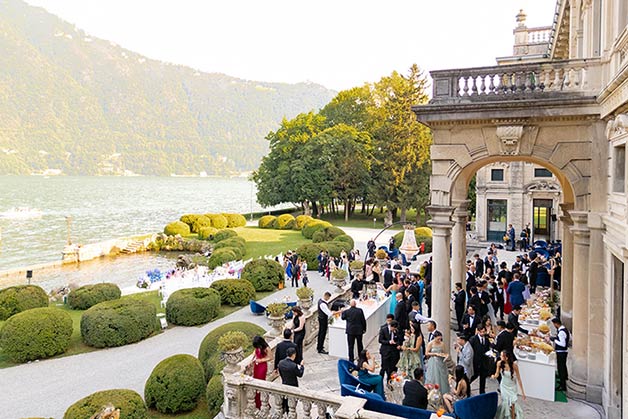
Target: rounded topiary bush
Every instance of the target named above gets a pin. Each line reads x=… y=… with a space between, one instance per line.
x=129 y=402
x=285 y=222
x=192 y=306
x=175 y=385
x=231 y=242
x=423 y=232
x=200 y=223
x=177 y=227
x=345 y=239
x=312 y=227
x=89 y=295
x=36 y=334
x=234 y=292
x=267 y=221
x=221 y=256
x=327 y=234
x=118 y=322
x=218 y=220
x=310 y=252
x=215 y=395
x=335 y=247
x=225 y=233
x=207 y=233
x=21 y=297
x=235 y=220
x=265 y=275
x=189 y=219
x=213 y=366
x=300 y=221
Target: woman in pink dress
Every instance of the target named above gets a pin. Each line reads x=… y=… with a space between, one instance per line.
x=260 y=363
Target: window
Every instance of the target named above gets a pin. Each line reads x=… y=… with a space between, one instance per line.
x=542 y=172
x=497 y=213
x=619 y=168
x=497 y=175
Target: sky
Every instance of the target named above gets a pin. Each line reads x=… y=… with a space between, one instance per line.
x=337 y=43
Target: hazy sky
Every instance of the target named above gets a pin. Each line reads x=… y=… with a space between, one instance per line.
x=339 y=44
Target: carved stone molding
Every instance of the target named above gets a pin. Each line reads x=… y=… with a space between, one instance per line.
x=617 y=126
x=544 y=186
x=510 y=139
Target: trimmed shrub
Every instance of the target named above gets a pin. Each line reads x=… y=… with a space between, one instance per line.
x=218 y=220
x=235 y=220
x=129 y=402
x=189 y=219
x=192 y=306
x=232 y=242
x=335 y=247
x=89 y=295
x=327 y=234
x=310 y=252
x=207 y=233
x=21 y=297
x=225 y=233
x=234 y=292
x=419 y=239
x=36 y=334
x=209 y=346
x=220 y=256
x=300 y=221
x=285 y=222
x=175 y=385
x=267 y=221
x=215 y=395
x=345 y=239
x=118 y=322
x=213 y=366
x=423 y=231
x=177 y=227
x=313 y=226
x=200 y=222
x=265 y=275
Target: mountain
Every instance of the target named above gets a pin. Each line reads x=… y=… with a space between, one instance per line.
x=83 y=105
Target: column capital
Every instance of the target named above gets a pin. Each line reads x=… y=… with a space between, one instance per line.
x=441 y=218
x=580 y=228
x=461 y=210
x=565 y=217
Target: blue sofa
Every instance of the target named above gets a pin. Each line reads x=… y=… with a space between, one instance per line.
x=256 y=308
x=345 y=377
x=482 y=406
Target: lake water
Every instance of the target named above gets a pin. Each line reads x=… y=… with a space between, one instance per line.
x=103 y=208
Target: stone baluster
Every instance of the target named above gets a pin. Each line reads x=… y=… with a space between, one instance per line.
x=321 y=409
x=265 y=408
x=546 y=84
x=504 y=83
x=491 y=84
x=465 y=86
x=558 y=81
x=250 y=402
x=474 y=85
x=482 y=89
x=292 y=408
x=307 y=408
x=278 y=404
x=584 y=85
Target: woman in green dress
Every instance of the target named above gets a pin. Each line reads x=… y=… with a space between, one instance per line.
x=366 y=363
x=436 y=355
x=412 y=351
x=507 y=367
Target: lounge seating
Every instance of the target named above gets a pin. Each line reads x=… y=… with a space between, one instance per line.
x=482 y=406
x=345 y=377
x=256 y=308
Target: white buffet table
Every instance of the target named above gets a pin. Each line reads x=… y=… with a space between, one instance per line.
x=375 y=313
x=538 y=375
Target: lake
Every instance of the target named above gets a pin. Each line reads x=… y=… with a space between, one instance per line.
x=103 y=208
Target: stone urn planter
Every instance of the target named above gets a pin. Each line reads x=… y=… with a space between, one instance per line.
x=277 y=323
x=339 y=279
x=231 y=346
x=305 y=294
x=232 y=359
x=306 y=304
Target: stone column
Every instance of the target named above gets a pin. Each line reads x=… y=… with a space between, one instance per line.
x=596 y=305
x=441 y=276
x=578 y=371
x=459 y=244
x=566 y=282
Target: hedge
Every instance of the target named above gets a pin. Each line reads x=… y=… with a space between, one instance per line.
x=265 y=275
x=301 y=220
x=118 y=322
x=335 y=247
x=425 y=239
x=36 y=334
x=235 y=220
x=310 y=252
x=215 y=395
x=238 y=242
x=285 y=222
x=267 y=221
x=175 y=385
x=218 y=220
x=327 y=234
x=177 y=227
x=234 y=292
x=19 y=298
x=200 y=223
x=221 y=256
x=189 y=219
x=192 y=306
x=213 y=366
x=345 y=238
x=312 y=227
x=207 y=233
x=225 y=233
x=89 y=295
x=129 y=402
x=209 y=346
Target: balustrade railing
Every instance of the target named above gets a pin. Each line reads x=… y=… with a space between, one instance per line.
x=509 y=81
x=539 y=35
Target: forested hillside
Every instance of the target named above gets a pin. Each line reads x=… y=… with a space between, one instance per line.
x=86 y=106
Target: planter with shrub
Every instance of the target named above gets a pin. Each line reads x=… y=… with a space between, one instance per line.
x=231 y=346
x=234 y=292
x=89 y=295
x=265 y=275
x=21 y=297
x=129 y=402
x=193 y=306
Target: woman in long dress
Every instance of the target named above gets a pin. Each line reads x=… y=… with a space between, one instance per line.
x=298 y=330
x=393 y=289
x=507 y=367
x=412 y=351
x=260 y=363
x=366 y=362
x=436 y=355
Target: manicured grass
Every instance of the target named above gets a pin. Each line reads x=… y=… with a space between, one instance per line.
x=359 y=220
x=201 y=412
x=261 y=242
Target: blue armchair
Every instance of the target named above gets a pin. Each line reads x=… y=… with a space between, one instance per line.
x=345 y=377
x=482 y=406
x=256 y=308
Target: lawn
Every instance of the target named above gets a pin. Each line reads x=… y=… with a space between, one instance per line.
x=359 y=220
x=201 y=412
x=261 y=242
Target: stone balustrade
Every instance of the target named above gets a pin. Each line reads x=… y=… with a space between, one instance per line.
x=516 y=81
x=539 y=35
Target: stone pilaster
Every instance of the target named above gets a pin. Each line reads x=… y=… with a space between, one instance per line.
x=459 y=243
x=596 y=306
x=441 y=225
x=566 y=286
x=578 y=373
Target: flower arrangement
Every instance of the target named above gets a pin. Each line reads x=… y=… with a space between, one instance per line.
x=356 y=265
x=339 y=274
x=381 y=254
x=305 y=293
x=232 y=341
x=154 y=275
x=277 y=309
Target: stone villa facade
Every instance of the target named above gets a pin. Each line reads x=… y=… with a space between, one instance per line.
x=562 y=104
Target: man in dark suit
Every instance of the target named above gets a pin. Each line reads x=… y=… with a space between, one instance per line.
x=390 y=340
x=355 y=328
x=290 y=372
x=470 y=321
x=428 y=295
x=281 y=350
x=401 y=315
x=513 y=318
x=414 y=393
x=483 y=297
x=479 y=266
x=460 y=299
x=470 y=279
x=504 y=341
x=480 y=344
